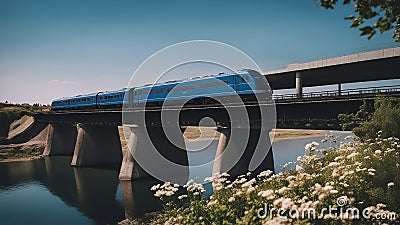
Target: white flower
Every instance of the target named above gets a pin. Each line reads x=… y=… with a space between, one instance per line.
x=182 y=196
x=211 y=203
x=265 y=173
x=269 y=194
x=298 y=168
x=352 y=155
x=390 y=184
x=333 y=164
x=218 y=188
x=282 y=190
x=286 y=203
x=239 y=193
x=338 y=158
x=311 y=146
x=380 y=206
x=333 y=192
x=231 y=199
x=378 y=152
x=155 y=187
x=251 y=189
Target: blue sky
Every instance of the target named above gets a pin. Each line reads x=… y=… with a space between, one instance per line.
x=54 y=48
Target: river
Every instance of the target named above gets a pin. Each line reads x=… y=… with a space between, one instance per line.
x=50 y=191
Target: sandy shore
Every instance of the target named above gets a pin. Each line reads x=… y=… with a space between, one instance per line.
x=285 y=134
x=195 y=133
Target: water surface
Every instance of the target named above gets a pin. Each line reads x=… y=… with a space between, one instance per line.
x=50 y=191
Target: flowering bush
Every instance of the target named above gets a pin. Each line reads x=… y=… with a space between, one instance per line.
x=355 y=177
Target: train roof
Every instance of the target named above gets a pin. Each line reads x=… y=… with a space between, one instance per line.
x=192 y=79
x=89 y=95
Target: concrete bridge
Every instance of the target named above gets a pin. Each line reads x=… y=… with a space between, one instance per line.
x=367 y=66
x=92 y=137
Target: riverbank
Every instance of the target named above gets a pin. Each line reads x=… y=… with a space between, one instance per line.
x=30 y=150
x=33 y=149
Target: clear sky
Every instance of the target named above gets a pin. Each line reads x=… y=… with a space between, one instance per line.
x=55 y=48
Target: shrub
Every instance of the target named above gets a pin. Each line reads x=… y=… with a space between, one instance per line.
x=355 y=176
x=382 y=114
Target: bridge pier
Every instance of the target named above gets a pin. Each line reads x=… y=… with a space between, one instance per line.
x=97 y=145
x=60 y=139
x=149 y=144
x=230 y=149
x=299 y=85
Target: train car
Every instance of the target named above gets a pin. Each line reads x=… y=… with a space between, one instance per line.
x=59 y=104
x=83 y=101
x=111 y=99
x=76 y=102
x=245 y=84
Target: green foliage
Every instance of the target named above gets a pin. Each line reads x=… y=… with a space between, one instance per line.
x=365 y=174
x=352 y=120
x=386 y=13
x=383 y=116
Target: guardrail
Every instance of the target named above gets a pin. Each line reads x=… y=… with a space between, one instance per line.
x=346 y=92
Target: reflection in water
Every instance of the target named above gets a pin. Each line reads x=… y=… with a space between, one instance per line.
x=138 y=199
x=68 y=195
x=50 y=191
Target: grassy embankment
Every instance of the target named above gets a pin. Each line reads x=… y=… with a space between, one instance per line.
x=11 y=117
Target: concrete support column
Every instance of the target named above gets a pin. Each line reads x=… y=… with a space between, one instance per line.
x=299 y=85
x=222 y=143
x=156 y=153
x=97 y=145
x=339 y=87
x=60 y=139
x=256 y=153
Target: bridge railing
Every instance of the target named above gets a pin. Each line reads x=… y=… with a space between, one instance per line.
x=345 y=92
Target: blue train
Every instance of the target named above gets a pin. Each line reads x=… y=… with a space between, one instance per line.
x=200 y=90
